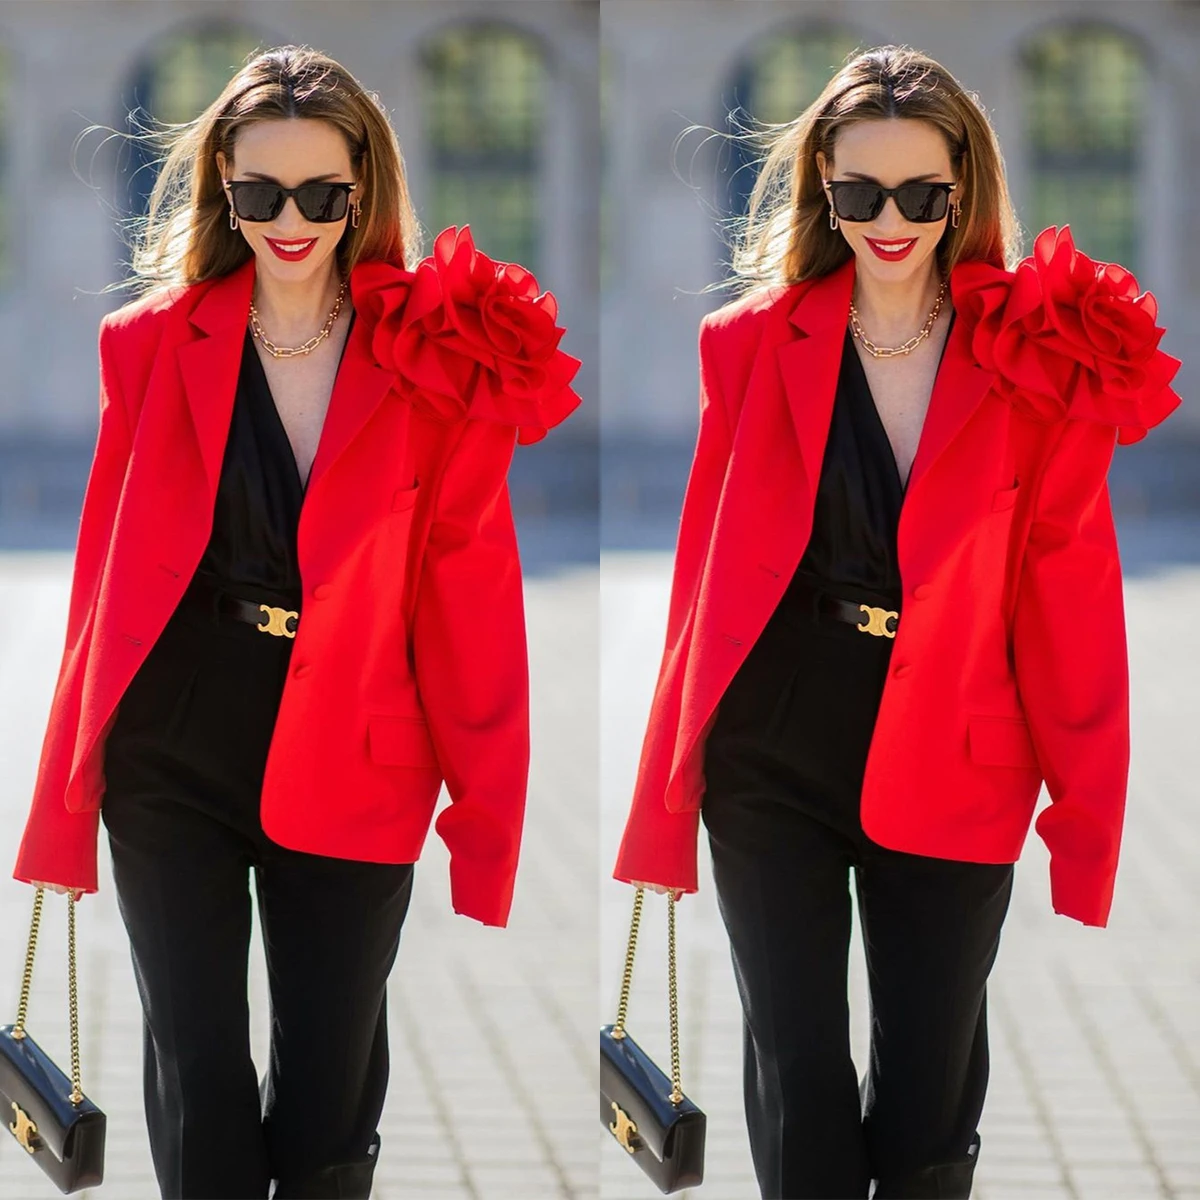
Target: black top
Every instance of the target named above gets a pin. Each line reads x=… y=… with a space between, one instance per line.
x=857 y=513
x=252 y=547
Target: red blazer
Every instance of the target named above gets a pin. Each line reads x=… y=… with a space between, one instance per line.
x=409 y=664
x=1009 y=665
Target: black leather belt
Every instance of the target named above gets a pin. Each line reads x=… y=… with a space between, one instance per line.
x=267 y=618
x=880 y=622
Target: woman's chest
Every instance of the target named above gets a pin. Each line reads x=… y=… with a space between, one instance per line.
x=301 y=397
x=900 y=389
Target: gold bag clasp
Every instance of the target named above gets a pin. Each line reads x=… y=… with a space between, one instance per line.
x=23 y=1129
x=623 y=1129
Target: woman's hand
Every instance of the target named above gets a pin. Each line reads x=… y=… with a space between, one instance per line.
x=60 y=888
x=659 y=888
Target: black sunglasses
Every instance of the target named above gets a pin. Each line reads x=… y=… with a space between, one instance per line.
x=320 y=203
x=917 y=202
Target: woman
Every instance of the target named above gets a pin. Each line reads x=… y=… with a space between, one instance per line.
x=296 y=609
x=896 y=609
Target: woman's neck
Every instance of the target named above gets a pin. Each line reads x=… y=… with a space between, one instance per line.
x=293 y=312
x=893 y=312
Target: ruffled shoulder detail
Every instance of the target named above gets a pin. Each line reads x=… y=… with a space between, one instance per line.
x=1069 y=337
x=469 y=337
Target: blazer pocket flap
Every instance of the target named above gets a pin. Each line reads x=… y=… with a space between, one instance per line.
x=1002 y=742
x=404 y=497
x=1005 y=497
x=401 y=742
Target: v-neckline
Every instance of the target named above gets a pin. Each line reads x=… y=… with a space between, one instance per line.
x=881 y=428
x=281 y=429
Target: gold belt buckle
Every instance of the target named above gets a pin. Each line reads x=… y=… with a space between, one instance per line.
x=877 y=621
x=277 y=621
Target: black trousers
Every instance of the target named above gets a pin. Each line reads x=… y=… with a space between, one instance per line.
x=184 y=766
x=784 y=765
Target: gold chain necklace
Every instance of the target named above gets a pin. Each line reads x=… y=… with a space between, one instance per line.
x=313 y=342
x=912 y=343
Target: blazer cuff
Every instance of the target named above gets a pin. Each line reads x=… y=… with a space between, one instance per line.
x=60 y=848
x=1080 y=889
x=662 y=852
x=482 y=888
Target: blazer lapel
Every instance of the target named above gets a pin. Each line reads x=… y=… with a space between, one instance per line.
x=210 y=364
x=359 y=388
x=809 y=363
x=958 y=389
x=809 y=366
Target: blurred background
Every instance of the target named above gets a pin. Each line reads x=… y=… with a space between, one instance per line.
x=495 y=103
x=1095 y=1034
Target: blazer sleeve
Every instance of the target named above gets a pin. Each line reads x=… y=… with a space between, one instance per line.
x=658 y=845
x=1072 y=671
x=58 y=846
x=471 y=667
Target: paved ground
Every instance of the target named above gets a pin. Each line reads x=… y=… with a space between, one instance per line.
x=1095 y=1086
x=492 y=1091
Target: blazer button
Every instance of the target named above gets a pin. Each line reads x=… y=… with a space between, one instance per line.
x=922 y=591
x=301 y=669
x=321 y=591
x=903 y=669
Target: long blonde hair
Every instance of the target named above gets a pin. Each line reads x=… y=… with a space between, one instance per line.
x=185 y=237
x=785 y=237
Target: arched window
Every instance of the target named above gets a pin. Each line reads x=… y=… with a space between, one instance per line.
x=1084 y=97
x=780 y=76
x=484 y=104
x=175 y=82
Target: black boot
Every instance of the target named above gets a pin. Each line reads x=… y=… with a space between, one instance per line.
x=342 y=1181
x=939 y=1181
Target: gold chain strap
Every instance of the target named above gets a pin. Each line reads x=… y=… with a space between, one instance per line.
x=73 y=992
x=618 y=1030
x=627 y=977
x=673 y=999
x=76 y=1095
x=27 y=977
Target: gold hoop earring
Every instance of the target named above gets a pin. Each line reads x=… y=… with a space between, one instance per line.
x=355 y=215
x=833 y=221
x=233 y=221
x=955 y=215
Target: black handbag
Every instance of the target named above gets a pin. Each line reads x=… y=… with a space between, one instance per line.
x=645 y=1111
x=57 y=1126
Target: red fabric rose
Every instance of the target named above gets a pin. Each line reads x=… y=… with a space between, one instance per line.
x=1069 y=337
x=468 y=336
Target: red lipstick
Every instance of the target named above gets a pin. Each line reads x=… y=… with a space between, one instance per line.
x=289 y=255
x=881 y=249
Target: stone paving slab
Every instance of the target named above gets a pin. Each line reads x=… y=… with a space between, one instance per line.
x=1095 y=1034
x=493 y=1073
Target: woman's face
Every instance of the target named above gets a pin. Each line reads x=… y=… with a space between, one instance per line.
x=891 y=152
x=291 y=152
